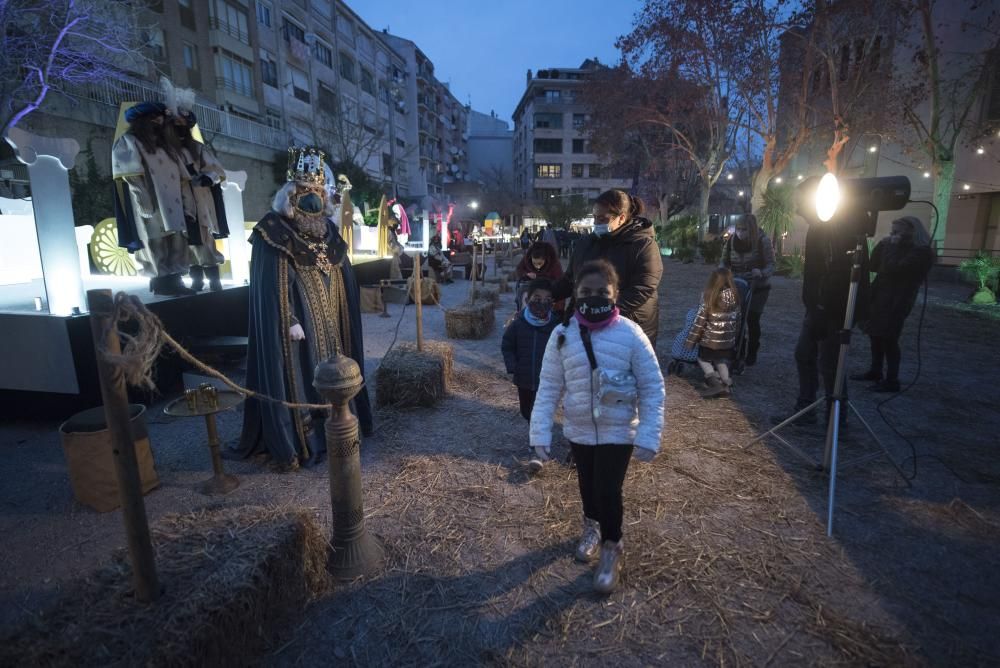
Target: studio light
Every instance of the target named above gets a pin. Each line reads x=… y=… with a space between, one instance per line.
x=827 y=197
x=852 y=202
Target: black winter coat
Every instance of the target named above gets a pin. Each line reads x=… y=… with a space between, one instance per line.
x=826 y=278
x=523 y=346
x=901 y=268
x=632 y=251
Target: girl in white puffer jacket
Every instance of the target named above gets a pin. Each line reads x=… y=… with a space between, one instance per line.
x=609 y=413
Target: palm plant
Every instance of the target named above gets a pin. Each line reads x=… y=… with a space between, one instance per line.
x=985 y=270
x=777 y=214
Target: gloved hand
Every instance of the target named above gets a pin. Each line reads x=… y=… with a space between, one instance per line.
x=297 y=333
x=205 y=181
x=643 y=455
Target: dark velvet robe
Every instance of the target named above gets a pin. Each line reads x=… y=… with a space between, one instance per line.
x=287 y=286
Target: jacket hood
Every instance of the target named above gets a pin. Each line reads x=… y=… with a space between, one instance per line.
x=636 y=227
x=547 y=251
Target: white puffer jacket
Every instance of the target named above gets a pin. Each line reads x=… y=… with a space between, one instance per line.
x=566 y=374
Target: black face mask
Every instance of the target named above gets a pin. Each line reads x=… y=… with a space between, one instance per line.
x=540 y=309
x=310 y=203
x=595 y=308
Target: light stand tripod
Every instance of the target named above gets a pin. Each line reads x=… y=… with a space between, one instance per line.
x=833 y=424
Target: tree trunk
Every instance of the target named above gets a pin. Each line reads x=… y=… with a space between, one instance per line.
x=759 y=186
x=944 y=181
x=705 y=195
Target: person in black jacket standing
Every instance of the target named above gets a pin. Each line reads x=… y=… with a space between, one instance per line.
x=524 y=341
x=901 y=262
x=748 y=253
x=625 y=239
x=826 y=282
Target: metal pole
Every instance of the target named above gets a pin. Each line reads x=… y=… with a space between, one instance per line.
x=116 y=414
x=418 y=278
x=220 y=482
x=353 y=551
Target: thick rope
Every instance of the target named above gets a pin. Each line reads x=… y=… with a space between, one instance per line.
x=140 y=351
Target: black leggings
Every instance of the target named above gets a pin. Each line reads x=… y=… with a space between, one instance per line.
x=886 y=349
x=526 y=397
x=600 y=470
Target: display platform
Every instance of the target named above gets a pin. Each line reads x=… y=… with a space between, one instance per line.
x=47 y=361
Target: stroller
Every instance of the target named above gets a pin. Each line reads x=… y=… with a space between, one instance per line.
x=682 y=356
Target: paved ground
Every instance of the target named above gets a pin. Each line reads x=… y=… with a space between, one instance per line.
x=727 y=556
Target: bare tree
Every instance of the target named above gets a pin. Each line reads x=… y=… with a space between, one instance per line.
x=353 y=133
x=949 y=61
x=49 y=46
x=498 y=192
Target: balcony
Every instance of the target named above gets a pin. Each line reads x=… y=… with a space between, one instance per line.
x=215 y=23
x=210 y=119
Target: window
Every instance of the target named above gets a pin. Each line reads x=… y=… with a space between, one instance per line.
x=546 y=193
x=293 y=31
x=873 y=57
x=346 y=66
x=387 y=164
x=548 y=146
x=569 y=96
x=327 y=98
x=551 y=95
x=157 y=47
x=400 y=143
x=577 y=170
x=367 y=81
x=187 y=14
x=322 y=7
x=322 y=53
x=268 y=69
x=346 y=28
x=548 y=171
x=553 y=121
x=190 y=56
x=230 y=19
x=273 y=118
x=263 y=13
x=579 y=146
x=300 y=84
x=233 y=72
x=579 y=120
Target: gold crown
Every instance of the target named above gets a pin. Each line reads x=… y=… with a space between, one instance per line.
x=305 y=165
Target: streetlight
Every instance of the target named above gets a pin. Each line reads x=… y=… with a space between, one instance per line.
x=872 y=148
x=739 y=194
x=473 y=205
x=778 y=180
x=729 y=176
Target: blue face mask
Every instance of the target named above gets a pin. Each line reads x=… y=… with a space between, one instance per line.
x=601 y=230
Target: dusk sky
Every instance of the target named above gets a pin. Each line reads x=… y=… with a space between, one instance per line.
x=484 y=49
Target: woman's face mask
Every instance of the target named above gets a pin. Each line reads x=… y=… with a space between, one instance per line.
x=310 y=203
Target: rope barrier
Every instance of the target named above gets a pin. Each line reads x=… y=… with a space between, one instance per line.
x=140 y=351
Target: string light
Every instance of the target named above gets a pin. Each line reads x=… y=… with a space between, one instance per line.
x=740 y=194
x=927 y=175
x=778 y=180
x=980 y=150
x=729 y=177
x=872 y=149
x=966 y=186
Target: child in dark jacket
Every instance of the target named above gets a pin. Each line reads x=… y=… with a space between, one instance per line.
x=524 y=341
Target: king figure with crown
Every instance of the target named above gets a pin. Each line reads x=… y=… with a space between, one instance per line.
x=304 y=307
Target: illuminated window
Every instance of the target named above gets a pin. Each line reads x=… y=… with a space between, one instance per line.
x=548 y=171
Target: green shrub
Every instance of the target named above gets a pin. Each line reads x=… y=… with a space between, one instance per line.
x=685 y=254
x=371 y=218
x=776 y=216
x=985 y=270
x=791 y=265
x=680 y=232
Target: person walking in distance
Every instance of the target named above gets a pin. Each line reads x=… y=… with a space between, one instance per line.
x=603 y=369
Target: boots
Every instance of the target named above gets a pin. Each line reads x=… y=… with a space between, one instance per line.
x=197 y=275
x=714 y=387
x=871 y=376
x=609 y=569
x=590 y=541
x=214 y=282
x=172 y=285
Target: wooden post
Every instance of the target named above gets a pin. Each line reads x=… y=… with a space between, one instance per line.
x=418 y=279
x=116 y=414
x=472 y=287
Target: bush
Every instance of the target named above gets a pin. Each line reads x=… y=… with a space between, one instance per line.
x=985 y=271
x=685 y=254
x=680 y=232
x=712 y=250
x=371 y=218
x=777 y=212
x=791 y=265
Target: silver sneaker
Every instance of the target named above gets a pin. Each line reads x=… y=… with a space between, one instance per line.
x=590 y=541
x=608 y=570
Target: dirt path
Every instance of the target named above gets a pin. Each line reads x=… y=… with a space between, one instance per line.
x=727 y=560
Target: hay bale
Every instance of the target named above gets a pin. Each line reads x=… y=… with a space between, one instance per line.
x=230 y=577
x=408 y=377
x=490 y=293
x=470 y=320
x=430 y=291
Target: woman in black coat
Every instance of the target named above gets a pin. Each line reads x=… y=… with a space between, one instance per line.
x=901 y=262
x=625 y=239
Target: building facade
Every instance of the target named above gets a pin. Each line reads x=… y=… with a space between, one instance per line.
x=437 y=123
x=551 y=153
x=491 y=149
x=273 y=73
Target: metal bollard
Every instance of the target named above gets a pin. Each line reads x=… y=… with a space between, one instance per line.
x=353 y=551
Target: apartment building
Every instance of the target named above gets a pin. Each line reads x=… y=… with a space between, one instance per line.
x=437 y=125
x=271 y=73
x=491 y=148
x=552 y=156
x=884 y=145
